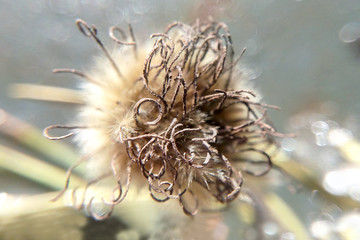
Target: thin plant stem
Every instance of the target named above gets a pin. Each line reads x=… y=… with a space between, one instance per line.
x=32 y=138
x=35 y=169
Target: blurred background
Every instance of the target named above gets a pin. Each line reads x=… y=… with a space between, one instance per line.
x=303 y=56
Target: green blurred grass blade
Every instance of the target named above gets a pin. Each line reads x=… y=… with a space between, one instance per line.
x=45 y=93
x=33 y=139
x=34 y=169
x=284 y=214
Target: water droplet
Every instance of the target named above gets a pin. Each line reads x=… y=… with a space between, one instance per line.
x=321 y=228
x=339 y=137
x=270 y=228
x=334 y=183
x=319 y=127
x=350 y=32
x=341 y=181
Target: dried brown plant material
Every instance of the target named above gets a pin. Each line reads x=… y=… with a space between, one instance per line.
x=177 y=115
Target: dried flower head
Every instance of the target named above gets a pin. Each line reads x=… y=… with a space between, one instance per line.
x=177 y=115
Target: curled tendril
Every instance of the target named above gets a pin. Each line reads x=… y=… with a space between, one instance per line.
x=236 y=185
x=150 y=173
x=85 y=29
x=185 y=208
x=91 y=32
x=114 y=29
x=120 y=196
x=68 y=175
x=151 y=189
x=48 y=136
x=78 y=73
x=268 y=162
x=158 y=106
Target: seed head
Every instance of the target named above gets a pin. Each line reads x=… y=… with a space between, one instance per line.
x=175 y=114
